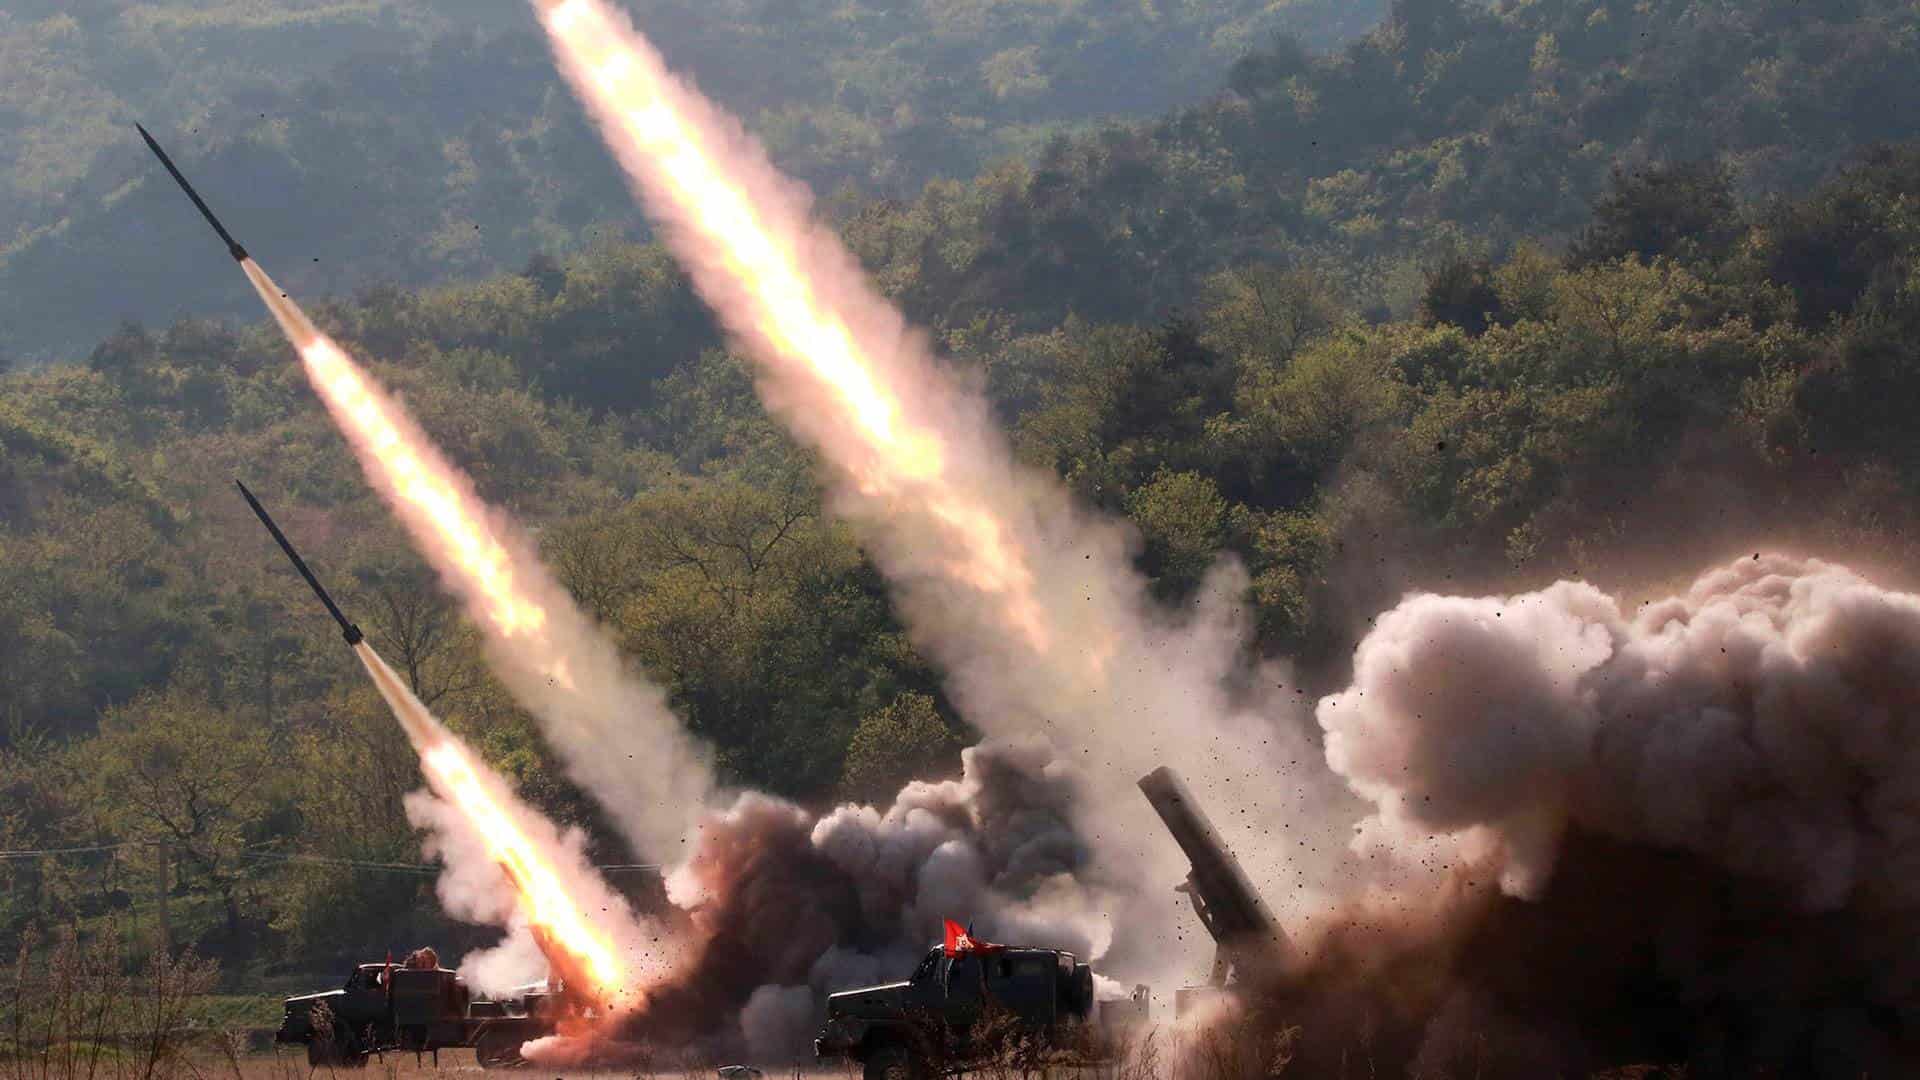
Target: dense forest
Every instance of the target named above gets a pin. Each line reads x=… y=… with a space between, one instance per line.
x=1487 y=296
x=375 y=142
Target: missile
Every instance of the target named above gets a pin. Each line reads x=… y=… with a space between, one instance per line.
x=347 y=629
x=233 y=246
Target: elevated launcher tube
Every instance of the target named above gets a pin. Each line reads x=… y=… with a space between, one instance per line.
x=1249 y=943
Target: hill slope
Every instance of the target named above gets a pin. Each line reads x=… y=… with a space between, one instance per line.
x=409 y=142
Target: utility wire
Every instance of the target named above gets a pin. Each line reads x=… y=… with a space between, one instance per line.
x=355 y=864
x=286 y=857
x=73 y=850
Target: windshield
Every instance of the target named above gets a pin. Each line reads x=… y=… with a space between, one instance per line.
x=928 y=968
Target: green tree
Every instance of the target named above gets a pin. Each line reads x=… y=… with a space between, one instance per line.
x=1460 y=291
x=1684 y=210
x=1264 y=314
x=906 y=740
x=1187 y=524
x=177 y=770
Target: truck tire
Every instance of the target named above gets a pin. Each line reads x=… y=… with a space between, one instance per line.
x=1083 y=990
x=341 y=1050
x=351 y=1054
x=498 y=1048
x=890 y=1062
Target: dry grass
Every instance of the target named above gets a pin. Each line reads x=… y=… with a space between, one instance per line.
x=1155 y=1055
x=70 y=1011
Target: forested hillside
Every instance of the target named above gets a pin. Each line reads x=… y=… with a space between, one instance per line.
x=378 y=142
x=1453 y=129
x=1522 y=307
x=1697 y=372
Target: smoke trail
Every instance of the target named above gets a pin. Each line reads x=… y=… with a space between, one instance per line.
x=508 y=866
x=1032 y=607
x=614 y=731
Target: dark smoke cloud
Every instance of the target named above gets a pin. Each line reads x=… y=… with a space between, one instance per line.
x=786 y=907
x=1704 y=817
x=1627 y=956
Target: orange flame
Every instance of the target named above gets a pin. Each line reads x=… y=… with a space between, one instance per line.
x=400 y=456
x=456 y=777
x=543 y=899
x=478 y=555
x=805 y=335
x=614 y=730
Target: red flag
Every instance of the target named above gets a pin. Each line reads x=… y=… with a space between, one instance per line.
x=960 y=939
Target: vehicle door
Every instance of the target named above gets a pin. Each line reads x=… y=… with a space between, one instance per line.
x=363 y=1008
x=926 y=991
x=1023 y=984
x=966 y=988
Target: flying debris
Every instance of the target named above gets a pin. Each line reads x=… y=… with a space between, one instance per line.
x=233 y=246
x=347 y=629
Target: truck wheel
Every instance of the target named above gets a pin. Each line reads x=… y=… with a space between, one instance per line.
x=319 y=1052
x=348 y=1052
x=498 y=1049
x=888 y=1063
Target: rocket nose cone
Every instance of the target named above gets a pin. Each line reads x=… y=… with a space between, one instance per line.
x=152 y=143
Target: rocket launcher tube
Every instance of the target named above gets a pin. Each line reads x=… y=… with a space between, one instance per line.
x=1248 y=937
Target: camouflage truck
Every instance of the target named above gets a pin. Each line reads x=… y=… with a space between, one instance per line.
x=384 y=1007
x=956 y=1010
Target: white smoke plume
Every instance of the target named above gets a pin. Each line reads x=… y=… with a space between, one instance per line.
x=478 y=828
x=614 y=730
x=1032 y=607
x=1763 y=720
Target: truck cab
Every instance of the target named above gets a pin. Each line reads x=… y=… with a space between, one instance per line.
x=905 y=1029
x=379 y=1007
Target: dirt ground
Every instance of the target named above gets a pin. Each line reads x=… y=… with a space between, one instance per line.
x=291 y=1064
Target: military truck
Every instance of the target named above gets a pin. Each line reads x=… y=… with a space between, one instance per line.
x=384 y=1007
x=956 y=1009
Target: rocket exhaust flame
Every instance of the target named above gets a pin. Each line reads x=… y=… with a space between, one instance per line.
x=549 y=905
x=494 y=829
x=614 y=731
x=761 y=268
x=1033 y=607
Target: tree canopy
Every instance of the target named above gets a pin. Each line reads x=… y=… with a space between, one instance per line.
x=1490 y=295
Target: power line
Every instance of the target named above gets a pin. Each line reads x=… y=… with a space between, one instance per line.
x=355 y=864
x=73 y=850
x=291 y=857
